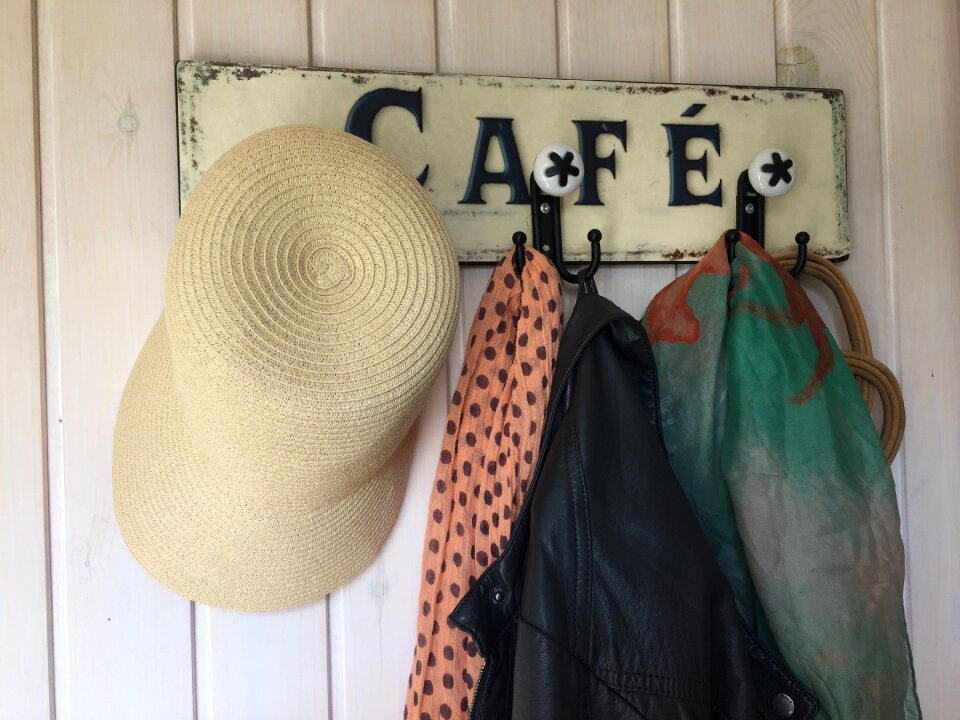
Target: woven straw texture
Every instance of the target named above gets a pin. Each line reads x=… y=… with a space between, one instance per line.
x=263 y=438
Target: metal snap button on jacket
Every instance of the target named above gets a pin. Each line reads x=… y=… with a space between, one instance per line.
x=783 y=705
x=614 y=606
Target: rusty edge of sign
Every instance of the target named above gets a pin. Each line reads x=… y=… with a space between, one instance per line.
x=193 y=75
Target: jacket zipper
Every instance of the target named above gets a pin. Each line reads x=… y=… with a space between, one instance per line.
x=476 y=692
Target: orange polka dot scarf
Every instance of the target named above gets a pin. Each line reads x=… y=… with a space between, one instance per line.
x=489 y=452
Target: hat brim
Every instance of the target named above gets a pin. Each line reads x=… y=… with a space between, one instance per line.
x=196 y=535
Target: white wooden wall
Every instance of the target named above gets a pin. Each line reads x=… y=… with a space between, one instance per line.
x=88 y=203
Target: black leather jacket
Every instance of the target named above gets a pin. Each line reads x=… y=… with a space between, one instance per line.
x=607 y=602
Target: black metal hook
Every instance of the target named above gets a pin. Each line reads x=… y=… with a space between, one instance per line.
x=801 y=239
x=519 y=252
x=548 y=238
x=751 y=209
x=751 y=219
x=732 y=237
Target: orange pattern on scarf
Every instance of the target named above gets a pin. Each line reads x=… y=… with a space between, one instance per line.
x=489 y=451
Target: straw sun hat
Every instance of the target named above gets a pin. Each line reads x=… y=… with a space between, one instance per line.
x=264 y=436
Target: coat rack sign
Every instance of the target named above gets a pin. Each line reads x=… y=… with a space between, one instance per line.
x=661 y=162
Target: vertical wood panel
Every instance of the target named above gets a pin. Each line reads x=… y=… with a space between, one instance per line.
x=255 y=31
x=374 y=35
x=262 y=666
x=373 y=618
x=25 y=690
x=614 y=40
x=919 y=55
x=722 y=41
x=108 y=159
x=619 y=40
x=256 y=666
x=497 y=37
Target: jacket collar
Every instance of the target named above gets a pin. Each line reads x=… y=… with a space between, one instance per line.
x=489 y=608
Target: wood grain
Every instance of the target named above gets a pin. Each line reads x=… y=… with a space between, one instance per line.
x=24 y=639
x=919 y=53
x=274 y=32
x=374 y=35
x=108 y=147
x=728 y=42
x=497 y=37
x=262 y=666
x=614 y=40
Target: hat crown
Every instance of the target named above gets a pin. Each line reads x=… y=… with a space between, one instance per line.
x=311 y=298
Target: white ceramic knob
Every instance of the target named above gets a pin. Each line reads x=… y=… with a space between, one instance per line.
x=558 y=170
x=773 y=172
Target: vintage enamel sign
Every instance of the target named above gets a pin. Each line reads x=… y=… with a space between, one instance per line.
x=661 y=162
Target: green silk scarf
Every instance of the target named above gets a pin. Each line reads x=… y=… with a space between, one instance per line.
x=773 y=444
